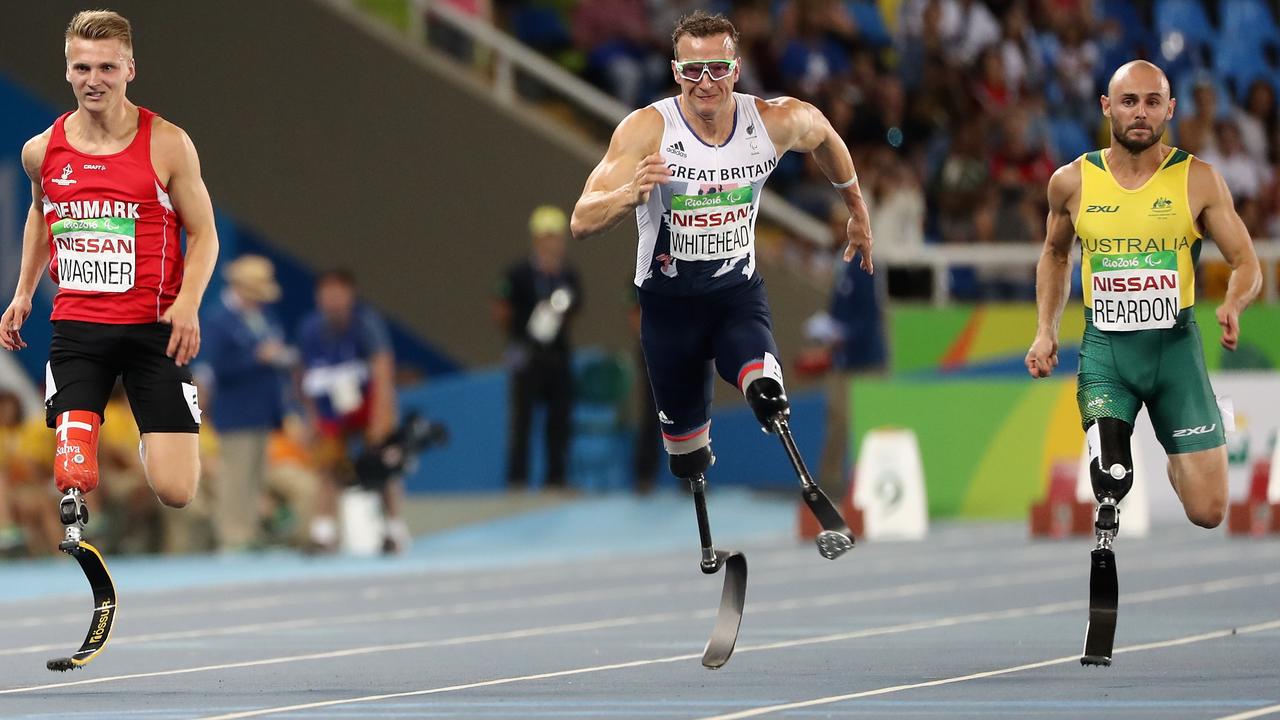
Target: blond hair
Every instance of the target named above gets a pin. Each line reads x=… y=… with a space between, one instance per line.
x=101 y=25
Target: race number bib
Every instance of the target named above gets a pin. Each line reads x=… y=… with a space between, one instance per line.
x=715 y=226
x=95 y=254
x=1138 y=291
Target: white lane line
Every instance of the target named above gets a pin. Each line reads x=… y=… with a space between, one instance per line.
x=755 y=711
x=1189 y=589
x=571 y=598
x=552 y=574
x=1249 y=715
x=430 y=585
x=1186 y=640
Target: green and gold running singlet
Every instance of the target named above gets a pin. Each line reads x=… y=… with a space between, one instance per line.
x=1141 y=343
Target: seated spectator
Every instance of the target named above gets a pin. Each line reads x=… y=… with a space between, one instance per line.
x=615 y=36
x=1257 y=120
x=1196 y=133
x=814 y=60
x=292 y=485
x=1248 y=177
x=348 y=388
x=962 y=191
x=26 y=472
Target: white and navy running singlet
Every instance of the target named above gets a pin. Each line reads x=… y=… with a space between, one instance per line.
x=698 y=231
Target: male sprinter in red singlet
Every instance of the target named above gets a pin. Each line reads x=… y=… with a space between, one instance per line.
x=112 y=184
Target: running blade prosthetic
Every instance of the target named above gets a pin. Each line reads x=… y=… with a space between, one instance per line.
x=724 y=636
x=75 y=515
x=1104 y=589
x=836 y=538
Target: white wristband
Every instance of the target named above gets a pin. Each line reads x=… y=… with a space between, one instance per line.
x=852 y=181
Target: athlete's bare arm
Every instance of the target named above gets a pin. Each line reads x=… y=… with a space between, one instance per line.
x=1054 y=269
x=629 y=171
x=35 y=249
x=796 y=125
x=178 y=166
x=1219 y=220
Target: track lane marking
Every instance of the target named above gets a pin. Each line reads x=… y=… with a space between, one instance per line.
x=575 y=597
x=1185 y=640
x=1029 y=611
x=1250 y=714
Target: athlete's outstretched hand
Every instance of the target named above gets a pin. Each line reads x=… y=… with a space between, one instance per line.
x=11 y=324
x=184 y=340
x=1042 y=358
x=1229 y=321
x=859 y=232
x=650 y=172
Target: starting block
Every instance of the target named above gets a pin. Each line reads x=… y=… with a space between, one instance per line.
x=1060 y=514
x=1258 y=513
x=886 y=499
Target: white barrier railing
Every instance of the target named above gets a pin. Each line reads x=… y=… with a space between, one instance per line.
x=509 y=55
x=941 y=258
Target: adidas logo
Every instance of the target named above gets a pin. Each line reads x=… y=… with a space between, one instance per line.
x=662 y=418
x=677 y=149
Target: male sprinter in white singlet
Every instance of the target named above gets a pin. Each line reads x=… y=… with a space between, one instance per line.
x=692 y=167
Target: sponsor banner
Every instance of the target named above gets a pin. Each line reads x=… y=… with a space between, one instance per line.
x=987 y=446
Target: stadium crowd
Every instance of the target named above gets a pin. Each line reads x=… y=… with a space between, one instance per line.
x=958 y=111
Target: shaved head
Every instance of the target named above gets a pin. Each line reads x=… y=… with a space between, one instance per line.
x=1139 y=105
x=1140 y=77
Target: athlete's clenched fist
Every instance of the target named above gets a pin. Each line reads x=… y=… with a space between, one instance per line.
x=651 y=171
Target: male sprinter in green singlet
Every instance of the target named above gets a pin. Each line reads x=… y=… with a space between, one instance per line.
x=1141 y=209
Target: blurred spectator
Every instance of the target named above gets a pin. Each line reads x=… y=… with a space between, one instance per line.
x=1257 y=121
x=1019 y=55
x=962 y=188
x=348 y=385
x=1247 y=176
x=1076 y=63
x=10 y=534
x=896 y=204
x=616 y=37
x=26 y=471
x=1196 y=133
x=816 y=57
x=991 y=88
x=536 y=303
x=853 y=335
x=1021 y=167
x=977 y=30
x=292 y=485
x=245 y=349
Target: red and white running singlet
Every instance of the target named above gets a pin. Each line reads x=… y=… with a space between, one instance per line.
x=113 y=233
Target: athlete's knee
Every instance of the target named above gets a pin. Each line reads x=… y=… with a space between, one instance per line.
x=1206 y=512
x=692 y=464
x=174 y=480
x=75 y=462
x=1110 y=458
x=767 y=400
x=176 y=493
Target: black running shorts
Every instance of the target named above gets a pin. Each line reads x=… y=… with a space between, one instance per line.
x=86 y=358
